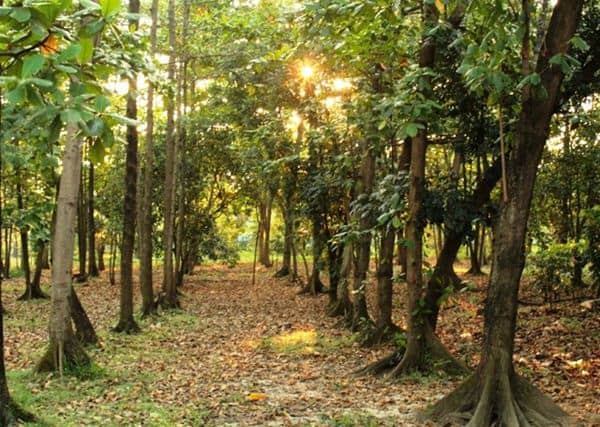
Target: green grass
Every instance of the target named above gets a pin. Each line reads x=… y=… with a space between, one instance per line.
x=116 y=390
x=303 y=342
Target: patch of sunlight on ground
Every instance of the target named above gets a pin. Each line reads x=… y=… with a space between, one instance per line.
x=300 y=342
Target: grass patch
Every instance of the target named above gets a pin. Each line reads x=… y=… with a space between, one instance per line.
x=303 y=342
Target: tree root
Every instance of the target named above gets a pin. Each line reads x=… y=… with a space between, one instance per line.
x=433 y=357
x=379 y=335
x=73 y=353
x=502 y=400
x=314 y=286
x=283 y=272
x=128 y=326
x=13 y=414
x=34 y=293
x=168 y=303
x=381 y=366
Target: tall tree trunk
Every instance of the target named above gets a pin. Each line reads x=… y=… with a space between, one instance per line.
x=101 y=250
x=169 y=299
x=495 y=393
x=147 y=290
x=24 y=244
x=64 y=349
x=288 y=238
x=92 y=266
x=385 y=329
x=363 y=245
x=127 y=323
x=82 y=231
x=265 y=210
x=422 y=345
x=8 y=248
x=343 y=305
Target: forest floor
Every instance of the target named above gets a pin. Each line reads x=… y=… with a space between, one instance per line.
x=241 y=355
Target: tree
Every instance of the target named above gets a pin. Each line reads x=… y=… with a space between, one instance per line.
x=495 y=392
x=145 y=226
x=169 y=298
x=127 y=323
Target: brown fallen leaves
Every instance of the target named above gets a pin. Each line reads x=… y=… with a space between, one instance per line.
x=263 y=355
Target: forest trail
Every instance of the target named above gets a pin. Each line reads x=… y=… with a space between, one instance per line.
x=243 y=355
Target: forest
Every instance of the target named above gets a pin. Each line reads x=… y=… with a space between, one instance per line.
x=300 y=213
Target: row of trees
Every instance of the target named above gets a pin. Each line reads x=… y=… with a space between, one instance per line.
x=361 y=126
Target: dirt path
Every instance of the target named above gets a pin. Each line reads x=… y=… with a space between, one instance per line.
x=240 y=355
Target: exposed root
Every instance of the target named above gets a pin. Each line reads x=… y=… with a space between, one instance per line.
x=34 y=293
x=382 y=366
x=127 y=326
x=379 y=335
x=432 y=356
x=314 y=286
x=73 y=356
x=283 y=272
x=13 y=414
x=167 y=302
x=501 y=400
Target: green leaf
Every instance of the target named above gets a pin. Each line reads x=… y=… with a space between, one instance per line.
x=87 y=50
x=110 y=7
x=580 y=44
x=20 y=14
x=32 y=65
x=382 y=125
x=70 y=52
x=16 y=95
x=101 y=103
x=39 y=82
x=412 y=129
x=70 y=116
x=396 y=223
x=97 y=152
x=89 y=4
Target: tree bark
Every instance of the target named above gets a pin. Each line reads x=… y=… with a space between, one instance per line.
x=64 y=349
x=92 y=266
x=82 y=231
x=495 y=393
x=168 y=298
x=127 y=323
x=34 y=290
x=24 y=244
x=146 y=285
x=360 y=314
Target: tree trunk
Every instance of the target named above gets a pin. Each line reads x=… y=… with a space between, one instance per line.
x=84 y=330
x=288 y=239
x=168 y=299
x=146 y=285
x=24 y=244
x=265 y=211
x=8 y=248
x=101 y=250
x=343 y=305
x=82 y=231
x=443 y=276
x=64 y=349
x=495 y=393
x=112 y=260
x=127 y=323
x=314 y=286
x=363 y=245
x=384 y=329
x=335 y=252
x=92 y=266
x=422 y=346
x=34 y=290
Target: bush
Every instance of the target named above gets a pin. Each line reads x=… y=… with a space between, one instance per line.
x=555 y=270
